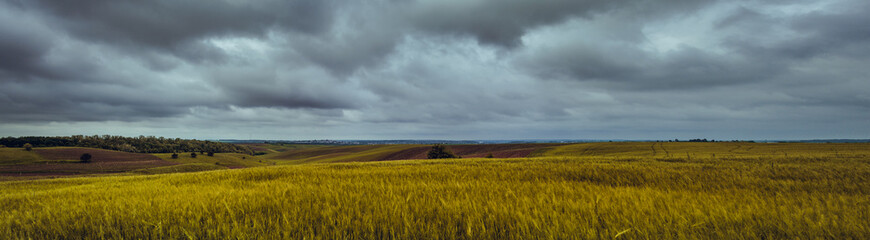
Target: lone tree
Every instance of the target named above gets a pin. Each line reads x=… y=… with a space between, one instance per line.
x=174 y=155
x=210 y=154
x=28 y=147
x=439 y=151
x=85 y=158
x=193 y=155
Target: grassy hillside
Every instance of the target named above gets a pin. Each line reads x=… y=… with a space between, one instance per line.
x=369 y=153
x=64 y=161
x=529 y=198
x=60 y=161
x=278 y=147
x=14 y=156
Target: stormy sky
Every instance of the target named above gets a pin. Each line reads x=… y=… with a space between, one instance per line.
x=437 y=69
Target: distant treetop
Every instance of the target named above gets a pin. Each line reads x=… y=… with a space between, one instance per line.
x=141 y=144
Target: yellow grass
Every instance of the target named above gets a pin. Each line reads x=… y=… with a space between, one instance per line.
x=615 y=193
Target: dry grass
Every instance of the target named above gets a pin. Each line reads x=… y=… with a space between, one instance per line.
x=807 y=195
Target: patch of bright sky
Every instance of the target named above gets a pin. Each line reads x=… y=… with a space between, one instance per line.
x=692 y=30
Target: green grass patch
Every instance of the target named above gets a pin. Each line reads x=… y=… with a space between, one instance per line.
x=16 y=156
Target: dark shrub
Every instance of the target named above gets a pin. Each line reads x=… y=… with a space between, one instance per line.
x=440 y=151
x=85 y=158
x=193 y=155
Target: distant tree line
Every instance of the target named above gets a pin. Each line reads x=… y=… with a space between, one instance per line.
x=141 y=144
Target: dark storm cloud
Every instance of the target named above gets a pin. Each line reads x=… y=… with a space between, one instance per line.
x=842 y=34
x=283 y=87
x=178 y=26
x=22 y=47
x=456 y=68
x=70 y=101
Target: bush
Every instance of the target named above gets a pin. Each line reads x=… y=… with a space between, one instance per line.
x=174 y=155
x=211 y=154
x=440 y=151
x=490 y=156
x=85 y=158
x=28 y=147
x=193 y=155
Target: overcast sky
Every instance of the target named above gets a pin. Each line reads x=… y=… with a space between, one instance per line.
x=437 y=69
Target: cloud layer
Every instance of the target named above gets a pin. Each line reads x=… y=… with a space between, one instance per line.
x=482 y=69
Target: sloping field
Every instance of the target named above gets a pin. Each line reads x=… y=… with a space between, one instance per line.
x=526 y=198
x=331 y=154
x=712 y=150
x=228 y=160
x=368 y=153
x=64 y=161
x=15 y=156
x=278 y=147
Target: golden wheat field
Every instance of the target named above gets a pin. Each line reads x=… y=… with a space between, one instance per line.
x=579 y=191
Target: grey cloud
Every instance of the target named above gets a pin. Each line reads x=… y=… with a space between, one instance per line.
x=301 y=87
x=23 y=46
x=53 y=101
x=346 y=51
x=746 y=46
x=843 y=33
x=804 y=35
x=177 y=26
x=504 y=23
x=628 y=67
x=498 y=22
